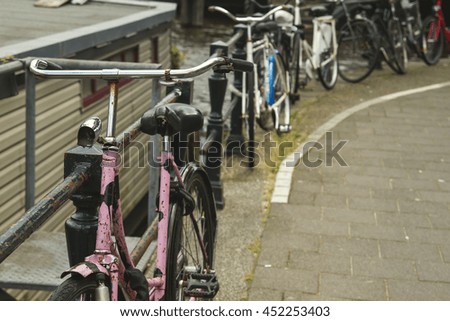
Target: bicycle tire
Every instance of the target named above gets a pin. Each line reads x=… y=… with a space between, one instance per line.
x=76 y=288
x=281 y=89
x=249 y=123
x=294 y=68
x=386 y=46
x=433 y=43
x=358 y=51
x=183 y=249
x=327 y=73
x=398 y=42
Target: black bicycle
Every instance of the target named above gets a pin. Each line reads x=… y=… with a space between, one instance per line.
x=392 y=41
x=358 y=44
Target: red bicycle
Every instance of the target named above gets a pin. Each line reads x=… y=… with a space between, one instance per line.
x=436 y=35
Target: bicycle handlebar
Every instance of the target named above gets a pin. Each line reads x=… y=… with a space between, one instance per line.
x=249 y=19
x=49 y=69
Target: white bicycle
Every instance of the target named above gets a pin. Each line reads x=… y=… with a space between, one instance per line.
x=321 y=55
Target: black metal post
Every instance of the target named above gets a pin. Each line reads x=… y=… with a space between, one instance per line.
x=235 y=139
x=213 y=146
x=81 y=227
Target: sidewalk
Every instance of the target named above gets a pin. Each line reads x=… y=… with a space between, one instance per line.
x=377 y=229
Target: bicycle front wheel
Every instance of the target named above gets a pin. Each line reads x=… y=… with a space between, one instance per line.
x=399 y=45
x=433 y=40
x=358 y=51
x=76 y=288
x=294 y=68
x=191 y=240
x=328 y=69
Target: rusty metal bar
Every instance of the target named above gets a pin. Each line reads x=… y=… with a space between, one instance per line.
x=235 y=38
x=96 y=64
x=125 y=138
x=229 y=43
x=233 y=103
x=149 y=235
x=37 y=215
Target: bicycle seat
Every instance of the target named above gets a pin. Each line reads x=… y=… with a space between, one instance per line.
x=170 y=119
x=284 y=18
x=318 y=11
x=268 y=26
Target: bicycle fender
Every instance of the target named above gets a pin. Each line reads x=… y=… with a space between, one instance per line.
x=85 y=269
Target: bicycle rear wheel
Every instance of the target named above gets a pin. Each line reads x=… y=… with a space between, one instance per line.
x=358 y=51
x=433 y=40
x=191 y=240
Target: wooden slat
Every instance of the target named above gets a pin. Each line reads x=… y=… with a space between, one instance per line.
x=12 y=154
x=51 y=116
x=12 y=171
x=12 y=119
x=11 y=104
x=12 y=137
x=56 y=98
x=12 y=210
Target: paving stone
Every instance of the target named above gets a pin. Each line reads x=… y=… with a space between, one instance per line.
x=258 y=294
x=404 y=220
x=286 y=279
x=344 y=190
x=352 y=287
x=384 y=268
x=348 y=215
x=373 y=204
x=393 y=233
x=313 y=261
x=406 y=290
x=410 y=251
x=301 y=241
x=428 y=235
x=433 y=271
x=348 y=246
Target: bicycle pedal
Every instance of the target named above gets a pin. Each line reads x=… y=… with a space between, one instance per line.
x=201 y=285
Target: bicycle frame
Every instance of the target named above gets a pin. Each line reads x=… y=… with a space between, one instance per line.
x=251 y=48
x=110 y=213
x=320 y=36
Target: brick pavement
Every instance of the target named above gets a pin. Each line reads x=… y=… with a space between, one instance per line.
x=378 y=229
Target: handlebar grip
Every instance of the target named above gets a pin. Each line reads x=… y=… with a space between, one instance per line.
x=241 y=65
x=47 y=65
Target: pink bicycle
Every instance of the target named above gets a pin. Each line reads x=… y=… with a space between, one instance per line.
x=186 y=221
x=436 y=35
